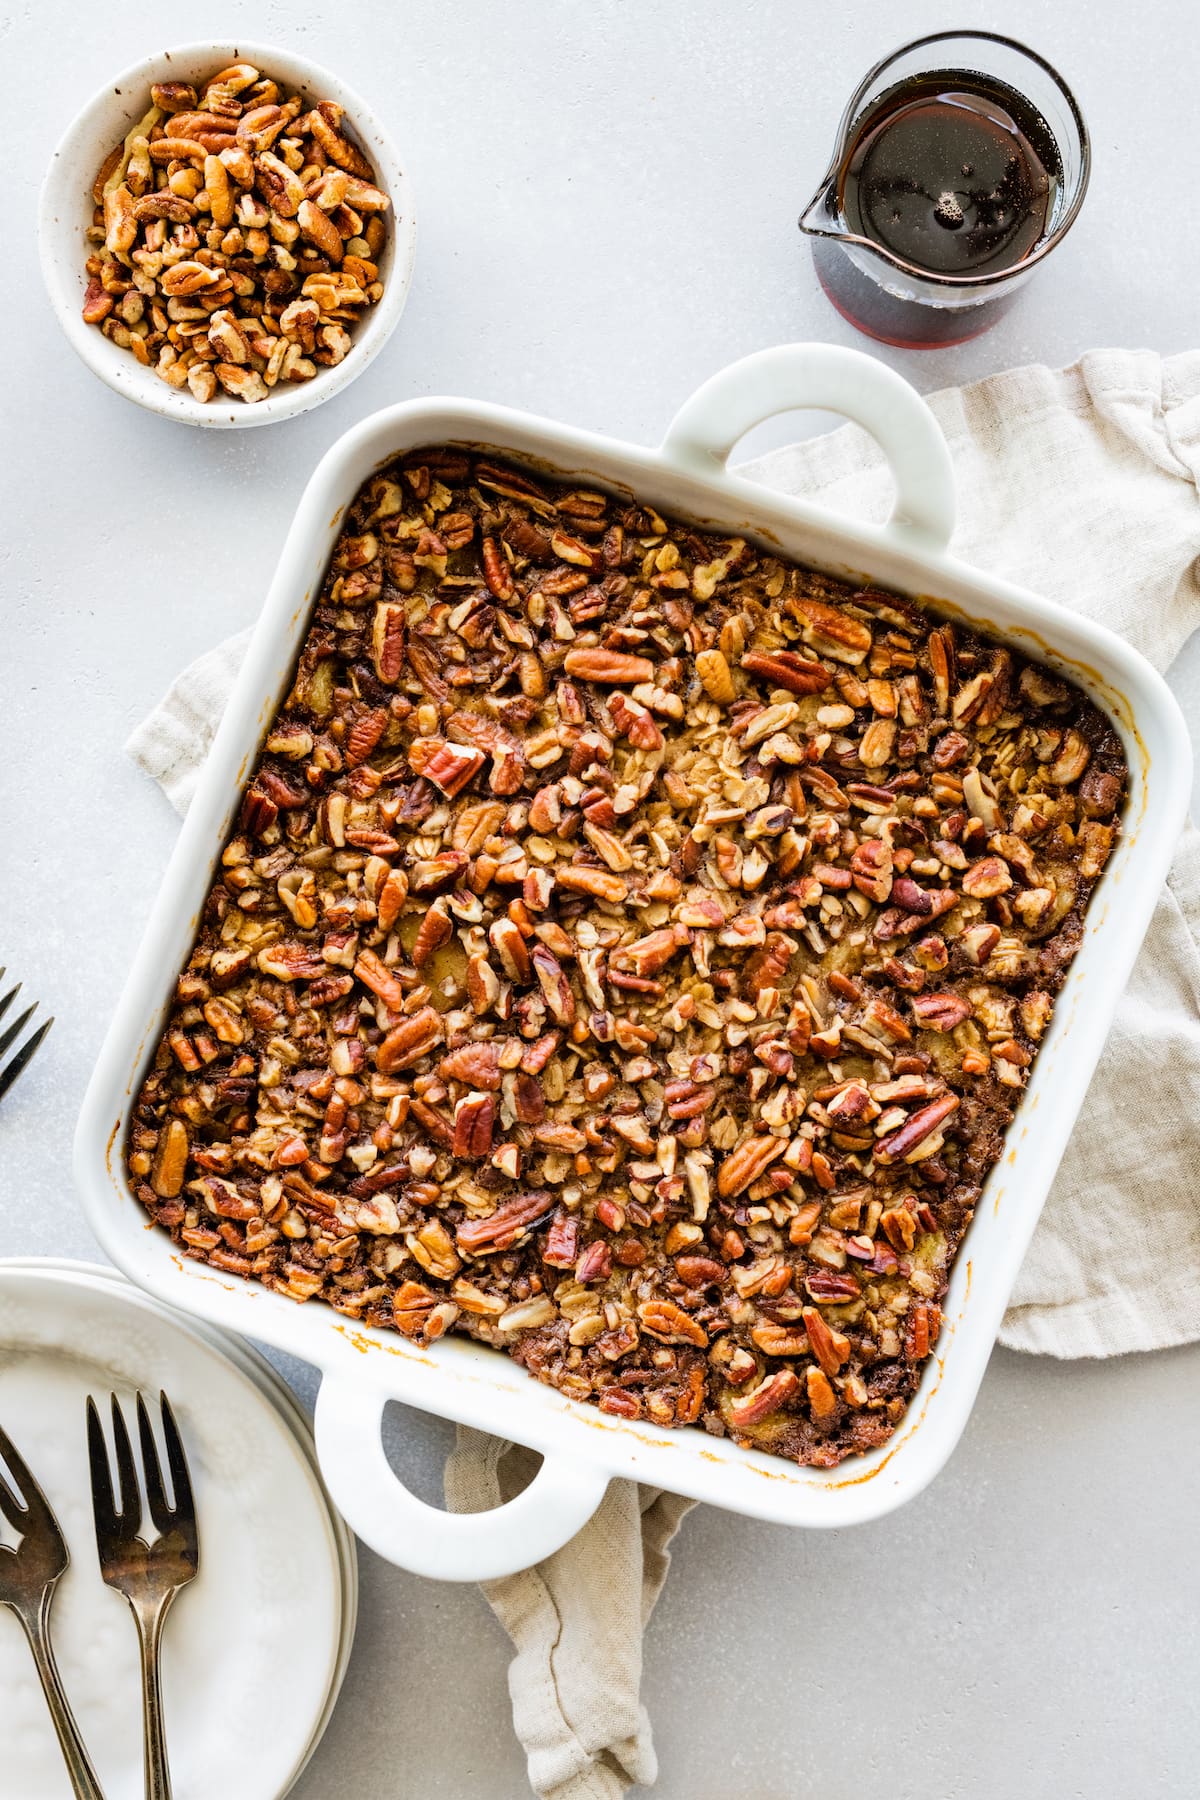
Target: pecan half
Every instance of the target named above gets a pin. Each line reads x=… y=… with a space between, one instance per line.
x=746 y=1163
x=476 y=1064
x=822 y=1400
x=608 y=667
x=379 y=978
x=764 y=1400
x=599 y=883
x=716 y=677
x=916 y=1129
x=449 y=766
x=786 y=669
x=649 y=954
x=939 y=1012
x=474 y=1121
x=434 y=930
x=170 y=1159
x=387 y=640
x=663 y=1319
x=409 y=1041
x=831 y=631
x=501 y=1229
x=831 y=1348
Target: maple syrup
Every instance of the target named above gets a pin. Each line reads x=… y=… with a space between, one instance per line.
x=948 y=185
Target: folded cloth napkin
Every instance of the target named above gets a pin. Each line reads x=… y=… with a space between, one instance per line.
x=1082 y=483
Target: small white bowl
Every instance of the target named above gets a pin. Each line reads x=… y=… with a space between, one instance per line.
x=66 y=213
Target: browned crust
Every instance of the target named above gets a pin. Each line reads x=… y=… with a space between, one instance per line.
x=631 y=952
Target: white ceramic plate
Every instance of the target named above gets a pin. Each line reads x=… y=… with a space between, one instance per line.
x=280 y=1396
x=263 y=1633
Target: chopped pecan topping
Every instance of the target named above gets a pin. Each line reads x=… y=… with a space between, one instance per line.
x=631 y=950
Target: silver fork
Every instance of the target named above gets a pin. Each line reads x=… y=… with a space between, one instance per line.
x=149 y=1575
x=25 y=1054
x=29 y=1576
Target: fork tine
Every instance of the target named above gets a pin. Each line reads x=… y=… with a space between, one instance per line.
x=181 y=1481
x=16 y=1515
x=6 y=1000
x=160 y=1511
x=23 y=1058
x=131 y=1499
x=17 y=1027
x=36 y=1509
x=10 y=1499
x=103 y=1505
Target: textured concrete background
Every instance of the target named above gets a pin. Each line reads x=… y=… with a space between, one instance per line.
x=607 y=197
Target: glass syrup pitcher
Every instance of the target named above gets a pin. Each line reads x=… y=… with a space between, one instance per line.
x=962 y=160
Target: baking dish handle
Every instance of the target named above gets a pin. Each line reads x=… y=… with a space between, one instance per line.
x=835 y=379
x=483 y=1546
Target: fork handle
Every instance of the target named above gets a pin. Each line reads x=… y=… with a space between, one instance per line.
x=79 y=1764
x=154 y=1744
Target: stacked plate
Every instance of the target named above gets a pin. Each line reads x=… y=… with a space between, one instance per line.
x=256 y=1648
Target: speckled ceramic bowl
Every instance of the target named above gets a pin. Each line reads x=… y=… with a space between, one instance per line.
x=66 y=213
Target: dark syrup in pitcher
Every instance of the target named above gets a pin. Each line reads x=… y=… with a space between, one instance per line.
x=956 y=174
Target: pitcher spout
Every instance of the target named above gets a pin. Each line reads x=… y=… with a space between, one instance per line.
x=822 y=216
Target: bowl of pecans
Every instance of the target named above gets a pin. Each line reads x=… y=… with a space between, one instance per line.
x=227 y=234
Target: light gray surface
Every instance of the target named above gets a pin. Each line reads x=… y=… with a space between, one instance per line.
x=607 y=197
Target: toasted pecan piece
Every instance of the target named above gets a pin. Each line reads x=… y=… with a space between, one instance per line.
x=608 y=667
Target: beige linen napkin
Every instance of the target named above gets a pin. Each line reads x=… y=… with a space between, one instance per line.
x=1081 y=483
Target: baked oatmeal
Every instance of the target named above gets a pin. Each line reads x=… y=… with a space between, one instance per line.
x=631 y=953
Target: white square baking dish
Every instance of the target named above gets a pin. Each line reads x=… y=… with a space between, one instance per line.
x=461 y=1380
